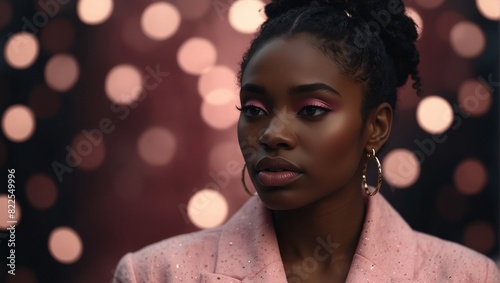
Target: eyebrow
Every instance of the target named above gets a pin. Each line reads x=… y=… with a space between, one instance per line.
x=307 y=88
x=312 y=88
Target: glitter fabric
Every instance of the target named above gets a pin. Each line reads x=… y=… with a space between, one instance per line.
x=245 y=249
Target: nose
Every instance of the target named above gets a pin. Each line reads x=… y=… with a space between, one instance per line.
x=278 y=134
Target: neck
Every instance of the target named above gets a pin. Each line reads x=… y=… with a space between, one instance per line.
x=327 y=230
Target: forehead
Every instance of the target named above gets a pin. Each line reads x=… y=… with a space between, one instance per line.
x=284 y=62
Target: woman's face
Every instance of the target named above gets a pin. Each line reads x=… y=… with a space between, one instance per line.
x=296 y=104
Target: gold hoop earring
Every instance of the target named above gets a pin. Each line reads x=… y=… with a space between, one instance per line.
x=370 y=156
x=243 y=182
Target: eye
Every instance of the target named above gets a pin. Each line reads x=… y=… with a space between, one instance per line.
x=313 y=111
x=252 y=111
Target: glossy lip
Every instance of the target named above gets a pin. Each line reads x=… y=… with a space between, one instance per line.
x=266 y=163
x=289 y=171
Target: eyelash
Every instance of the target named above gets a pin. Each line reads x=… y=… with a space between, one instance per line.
x=313 y=105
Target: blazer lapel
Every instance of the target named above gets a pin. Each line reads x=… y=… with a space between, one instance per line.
x=260 y=260
x=386 y=248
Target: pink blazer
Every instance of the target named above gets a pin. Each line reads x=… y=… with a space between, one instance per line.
x=245 y=250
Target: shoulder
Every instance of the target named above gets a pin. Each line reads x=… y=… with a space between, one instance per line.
x=180 y=256
x=441 y=259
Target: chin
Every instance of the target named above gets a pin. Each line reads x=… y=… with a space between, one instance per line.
x=280 y=199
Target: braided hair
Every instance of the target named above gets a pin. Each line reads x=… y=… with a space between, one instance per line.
x=371 y=41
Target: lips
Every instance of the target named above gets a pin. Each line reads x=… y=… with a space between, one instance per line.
x=277 y=171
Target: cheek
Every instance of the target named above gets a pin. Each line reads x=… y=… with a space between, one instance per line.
x=335 y=144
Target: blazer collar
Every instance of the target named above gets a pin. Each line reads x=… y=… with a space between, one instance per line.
x=248 y=250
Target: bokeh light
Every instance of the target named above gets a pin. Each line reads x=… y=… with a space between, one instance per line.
x=21 y=50
x=474 y=98
x=429 y=4
x=157 y=146
x=41 y=191
x=417 y=19
x=58 y=35
x=220 y=116
x=207 y=208
x=219 y=97
x=18 y=123
x=401 y=168
x=5 y=216
x=94 y=12
x=90 y=148
x=61 y=72
x=160 y=20
x=123 y=84
x=470 y=176
x=479 y=236
x=434 y=114
x=5 y=13
x=467 y=39
x=489 y=9
x=218 y=77
x=197 y=56
x=44 y=101
x=65 y=245
x=246 y=16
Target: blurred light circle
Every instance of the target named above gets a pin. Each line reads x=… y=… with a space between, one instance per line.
x=157 y=146
x=434 y=114
x=245 y=16
x=196 y=56
x=5 y=13
x=429 y=4
x=220 y=116
x=65 y=245
x=21 y=50
x=61 y=72
x=445 y=22
x=480 y=236
x=417 y=19
x=41 y=191
x=90 y=146
x=219 y=97
x=490 y=9
x=470 y=176
x=160 y=20
x=401 y=168
x=474 y=98
x=194 y=9
x=58 y=35
x=123 y=84
x=94 y=12
x=18 y=123
x=44 y=101
x=218 y=77
x=4 y=213
x=207 y=208
x=467 y=39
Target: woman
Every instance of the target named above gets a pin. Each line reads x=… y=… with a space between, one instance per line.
x=318 y=89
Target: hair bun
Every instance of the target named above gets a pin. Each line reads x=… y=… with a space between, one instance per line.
x=278 y=7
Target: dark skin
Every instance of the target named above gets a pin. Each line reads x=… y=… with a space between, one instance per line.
x=298 y=105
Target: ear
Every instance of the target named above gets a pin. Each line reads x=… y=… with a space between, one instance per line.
x=378 y=127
